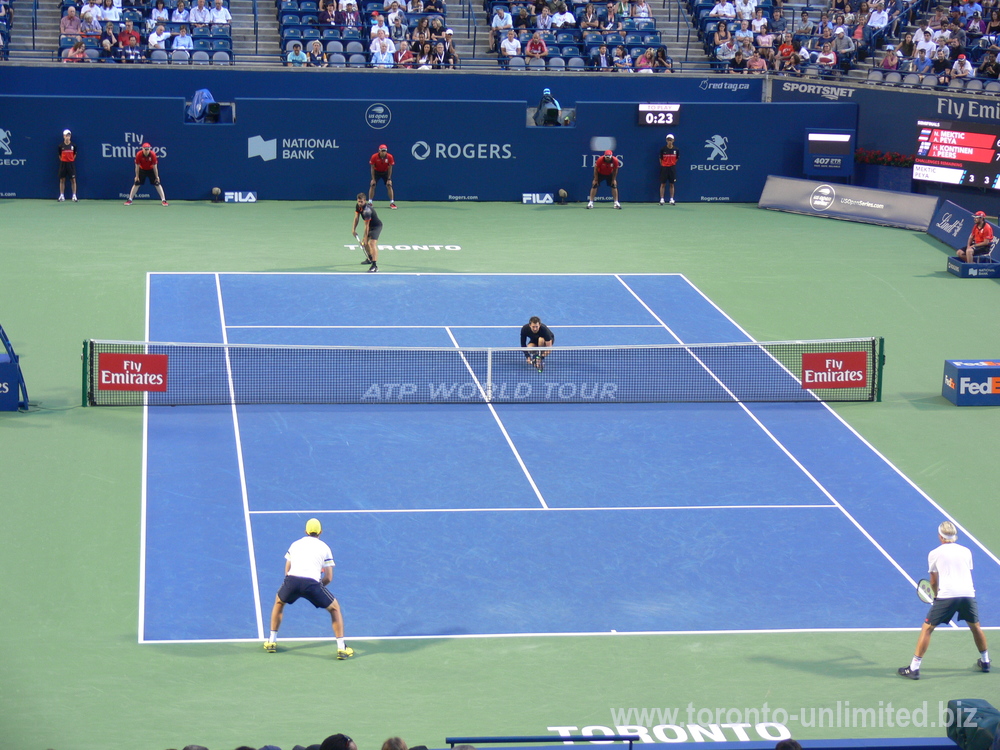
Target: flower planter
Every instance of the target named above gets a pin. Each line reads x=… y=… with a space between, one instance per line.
x=884 y=178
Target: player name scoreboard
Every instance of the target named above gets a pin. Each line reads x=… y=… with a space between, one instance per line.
x=958 y=153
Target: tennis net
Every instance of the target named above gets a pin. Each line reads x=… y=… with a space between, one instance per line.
x=124 y=373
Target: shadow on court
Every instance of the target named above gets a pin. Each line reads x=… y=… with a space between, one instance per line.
x=847 y=667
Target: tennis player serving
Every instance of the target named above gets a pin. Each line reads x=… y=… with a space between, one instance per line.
x=536 y=334
x=950 y=567
x=373 y=227
x=308 y=570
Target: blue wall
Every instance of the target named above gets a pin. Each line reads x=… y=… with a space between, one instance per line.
x=318 y=149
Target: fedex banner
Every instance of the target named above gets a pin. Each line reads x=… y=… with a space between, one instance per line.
x=131 y=372
x=952 y=225
x=444 y=150
x=848 y=202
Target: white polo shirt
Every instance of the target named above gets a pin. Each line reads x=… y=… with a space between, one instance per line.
x=308 y=556
x=953 y=564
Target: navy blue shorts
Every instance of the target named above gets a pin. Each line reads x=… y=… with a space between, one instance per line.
x=295 y=588
x=944 y=609
x=383 y=176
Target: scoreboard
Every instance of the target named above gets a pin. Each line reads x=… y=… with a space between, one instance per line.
x=958 y=153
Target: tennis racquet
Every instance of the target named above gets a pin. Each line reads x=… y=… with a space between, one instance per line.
x=363 y=248
x=924 y=591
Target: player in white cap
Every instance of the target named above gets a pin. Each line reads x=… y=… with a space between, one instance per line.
x=308 y=570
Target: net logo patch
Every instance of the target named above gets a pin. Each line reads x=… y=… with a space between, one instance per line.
x=835 y=370
x=990 y=386
x=132 y=372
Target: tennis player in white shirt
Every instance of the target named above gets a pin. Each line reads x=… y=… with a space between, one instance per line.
x=308 y=570
x=950 y=567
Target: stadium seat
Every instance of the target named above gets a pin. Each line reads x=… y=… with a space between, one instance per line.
x=309 y=5
x=566 y=37
x=309 y=34
x=992 y=87
x=576 y=63
x=629 y=24
x=221 y=32
x=517 y=63
x=337 y=60
x=536 y=64
x=222 y=45
x=200 y=31
x=874 y=76
x=221 y=57
x=334 y=46
x=571 y=50
x=956 y=84
x=974 y=84
x=203 y=44
x=158 y=56
x=893 y=78
x=289 y=5
x=200 y=57
x=911 y=79
x=180 y=56
x=633 y=39
x=357 y=61
x=290 y=19
x=309 y=19
x=548 y=37
x=613 y=40
x=330 y=34
x=350 y=33
x=645 y=24
x=557 y=64
x=289 y=43
x=94 y=54
x=653 y=38
x=354 y=48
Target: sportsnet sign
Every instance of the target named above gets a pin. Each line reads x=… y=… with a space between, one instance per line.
x=835 y=370
x=131 y=372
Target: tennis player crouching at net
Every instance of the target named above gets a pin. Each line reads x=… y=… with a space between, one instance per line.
x=536 y=334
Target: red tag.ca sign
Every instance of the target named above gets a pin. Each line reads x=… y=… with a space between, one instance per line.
x=131 y=372
x=835 y=370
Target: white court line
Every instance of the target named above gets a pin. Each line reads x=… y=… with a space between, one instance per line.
x=783 y=449
x=604 y=633
x=145 y=474
x=503 y=429
x=534 y=510
x=514 y=327
x=239 y=461
x=856 y=434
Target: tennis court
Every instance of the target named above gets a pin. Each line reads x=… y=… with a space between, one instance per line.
x=509 y=518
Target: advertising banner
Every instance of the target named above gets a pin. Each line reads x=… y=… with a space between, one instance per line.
x=952 y=225
x=848 y=202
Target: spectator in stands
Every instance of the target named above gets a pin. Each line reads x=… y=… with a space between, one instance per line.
x=784 y=51
x=563 y=18
x=378 y=24
x=509 y=47
x=396 y=12
x=437 y=31
x=328 y=15
x=971 y=8
x=743 y=32
x=590 y=21
x=522 y=21
x=723 y=9
x=415 y=6
x=738 y=64
x=602 y=60
x=159 y=14
x=159 y=38
x=381 y=37
x=664 y=63
x=446 y=58
x=640 y=9
x=825 y=37
x=431 y=6
x=758 y=22
x=765 y=45
x=200 y=15
x=69 y=25
x=126 y=35
x=181 y=13
x=296 y=58
x=721 y=35
x=221 y=15
x=317 y=57
x=877 y=21
x=804 y=29
x=110 y=12
x=989 y=67
x=646 y=62
x=907 y=48
x=756 y=63
x=745 y=9
x=109 y=35
x=89 y=28
x=544 y=19
x=133 y=52
x=746 y=46
x=77 y=54
x=499 y=27
x=942 y=68
x=993 y=25
x=962 y=69
x=975 y=29
x=845 y=49
x=107 y=52
x=778 y=23
x=349 y=18
x=926 y=43
x=725 y=53
x=397 y=32
x=890 y=61
x=536 y=48
x=612 y=24
x=343 y=742
x=449 y=45
x=622 y=60
x=427 y=60
x=93 y=7
x=824 y=24
x=381 y=56
x=421 y=34
x=922 y=64
x=183 y=40
x=404 y=58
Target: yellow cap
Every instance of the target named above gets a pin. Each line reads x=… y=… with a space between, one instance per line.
x=313 y=526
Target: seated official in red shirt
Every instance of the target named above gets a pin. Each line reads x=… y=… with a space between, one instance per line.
x=980 y=239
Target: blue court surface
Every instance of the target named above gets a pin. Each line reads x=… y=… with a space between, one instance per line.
x=506 y=519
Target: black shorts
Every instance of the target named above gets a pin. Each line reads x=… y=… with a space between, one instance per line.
x=668 y=174
x=383 y=176
x=147 y=174
x=942 y=610
x=374 y=230
x=315 y=592
x=977 y=251
x=67 y=169
x=608 y=179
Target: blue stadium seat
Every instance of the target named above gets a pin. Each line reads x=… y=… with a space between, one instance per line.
x=358 y=60
x=567 y=37
x=613 y=40
x=330 y=34
x=557 y=64
x=309 y=5
x=309 y=19
x=633 y=39
x=287 y=34
x=203 y=44
x=645 y=24
x=337 y=60
x=222 y=45
x=334 y=46
x=354 y=48
x=576 y=63
x=200 y=57
x=570 y=50
x=350 y=33
x=309 y=34
x=221 y=57
x=180 y=56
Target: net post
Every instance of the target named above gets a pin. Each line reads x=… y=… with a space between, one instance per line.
x=879 y=364
x=489 y=375
x=85 y=358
